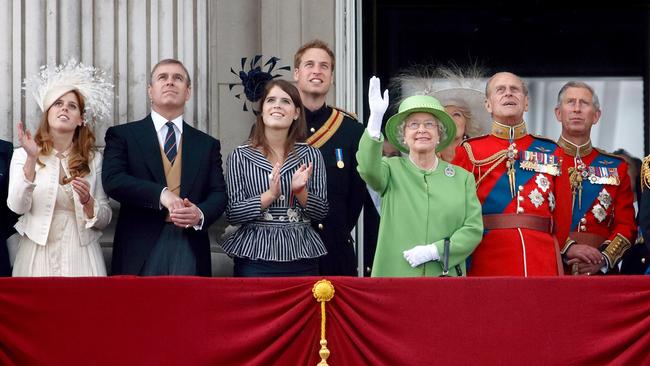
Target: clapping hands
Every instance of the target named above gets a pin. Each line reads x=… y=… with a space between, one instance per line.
x=301 y=177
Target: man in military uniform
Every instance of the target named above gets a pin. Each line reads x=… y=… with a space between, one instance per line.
x=336 y=134
x=515 y=175
x=595 y=211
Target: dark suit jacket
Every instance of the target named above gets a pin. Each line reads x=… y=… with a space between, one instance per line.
x=133 y=175
x=7 y=217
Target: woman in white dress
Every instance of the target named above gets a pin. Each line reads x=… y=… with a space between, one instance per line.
x=55 y=178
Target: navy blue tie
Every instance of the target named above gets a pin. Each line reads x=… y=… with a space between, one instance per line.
x=170 y=142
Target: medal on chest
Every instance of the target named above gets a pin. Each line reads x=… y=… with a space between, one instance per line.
x=339 y=158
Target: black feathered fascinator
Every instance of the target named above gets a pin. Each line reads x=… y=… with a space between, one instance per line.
x=255 y=78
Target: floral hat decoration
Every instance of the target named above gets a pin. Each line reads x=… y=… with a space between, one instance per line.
x=53 y=81
x=254 y=80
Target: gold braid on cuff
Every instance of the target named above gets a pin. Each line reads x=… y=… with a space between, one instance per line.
x=615 y=249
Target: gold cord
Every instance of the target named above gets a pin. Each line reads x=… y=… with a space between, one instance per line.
x=494 y=159
x=323 y=291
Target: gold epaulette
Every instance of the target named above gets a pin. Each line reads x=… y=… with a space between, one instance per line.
x=645 y=173
x=349 y=114
x=615 y=249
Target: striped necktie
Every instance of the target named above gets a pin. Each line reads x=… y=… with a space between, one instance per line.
x=170 y=142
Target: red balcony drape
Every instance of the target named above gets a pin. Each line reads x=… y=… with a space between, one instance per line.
x=390 y=321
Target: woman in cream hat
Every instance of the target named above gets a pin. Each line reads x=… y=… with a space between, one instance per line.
x=55 y=178
x=424 y=200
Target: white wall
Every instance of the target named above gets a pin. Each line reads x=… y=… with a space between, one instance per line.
x=127 y=37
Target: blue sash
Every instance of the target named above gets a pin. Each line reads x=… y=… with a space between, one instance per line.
x=499 y=198
x=590 y=191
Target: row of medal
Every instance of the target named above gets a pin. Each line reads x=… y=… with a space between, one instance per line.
x=546 y=163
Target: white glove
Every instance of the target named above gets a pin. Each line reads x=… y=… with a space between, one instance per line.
x=421 y=254
x=378 y=106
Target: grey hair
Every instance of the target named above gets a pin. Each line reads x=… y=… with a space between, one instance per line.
x=578 y=84
x=171 y=61
x=524 y=84
x=442 y=131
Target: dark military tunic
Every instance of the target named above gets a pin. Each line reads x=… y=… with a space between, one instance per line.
x=346 y=191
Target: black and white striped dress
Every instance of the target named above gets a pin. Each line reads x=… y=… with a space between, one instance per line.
x=282 y=232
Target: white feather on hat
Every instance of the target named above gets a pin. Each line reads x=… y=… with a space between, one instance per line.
x=451 y=86
x=53 y=81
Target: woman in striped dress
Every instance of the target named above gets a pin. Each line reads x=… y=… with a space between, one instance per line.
x=276 y=185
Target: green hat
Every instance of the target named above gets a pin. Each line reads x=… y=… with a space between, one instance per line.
x=414 y=104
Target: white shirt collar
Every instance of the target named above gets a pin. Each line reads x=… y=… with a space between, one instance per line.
x=159 y=122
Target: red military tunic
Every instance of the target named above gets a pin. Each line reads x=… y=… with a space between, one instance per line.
x=601 y=212
x=517 y=207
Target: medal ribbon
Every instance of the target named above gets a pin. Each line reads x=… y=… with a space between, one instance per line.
x=590 y=192
x=499 y=197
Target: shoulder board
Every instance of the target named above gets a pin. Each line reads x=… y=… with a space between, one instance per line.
x=645 y=173
x=349 y=114
x=608 y=154
x=539 y=137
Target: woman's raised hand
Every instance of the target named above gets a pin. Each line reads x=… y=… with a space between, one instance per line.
x=378 y=106
x=26 y=140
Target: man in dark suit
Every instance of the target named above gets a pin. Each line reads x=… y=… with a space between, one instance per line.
x=336 y=134
x=169 y=181
x=7 y=218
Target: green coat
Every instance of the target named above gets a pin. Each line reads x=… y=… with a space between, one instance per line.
x=420 y=207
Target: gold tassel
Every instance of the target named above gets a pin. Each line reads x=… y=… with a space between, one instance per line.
x=323 y=291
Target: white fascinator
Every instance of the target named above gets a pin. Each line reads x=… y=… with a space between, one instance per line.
x=52 y=81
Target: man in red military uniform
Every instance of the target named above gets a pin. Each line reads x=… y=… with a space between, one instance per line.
x=515 y=175
x=595 y=212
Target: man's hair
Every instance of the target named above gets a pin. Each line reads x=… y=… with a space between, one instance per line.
x=169 y=61
x=316 y=43
x=578 y=84
x=524 y=85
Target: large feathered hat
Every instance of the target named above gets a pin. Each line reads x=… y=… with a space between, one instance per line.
x=451 y=85
x=53 y=81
